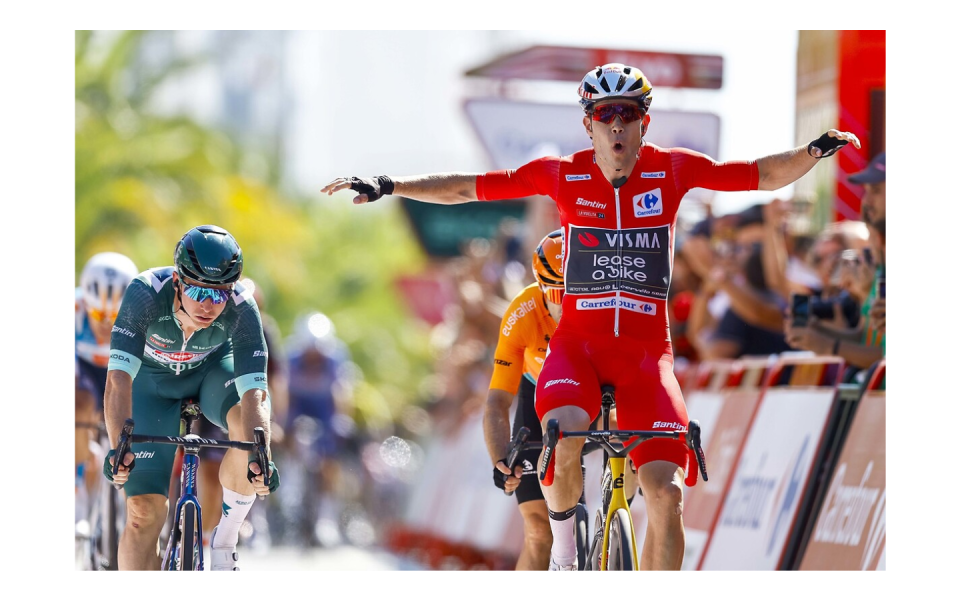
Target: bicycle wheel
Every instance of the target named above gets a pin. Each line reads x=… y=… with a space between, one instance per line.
x=593 y=553
x=107 y=530
x=188 y=539
x=620 y=549
x=583 y=537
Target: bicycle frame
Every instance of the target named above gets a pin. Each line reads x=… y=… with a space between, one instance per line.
x=188 y=495
x=618 y=499
x=615 y=457
x=188 y=478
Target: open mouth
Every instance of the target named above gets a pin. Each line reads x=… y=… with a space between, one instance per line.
x=617 y=147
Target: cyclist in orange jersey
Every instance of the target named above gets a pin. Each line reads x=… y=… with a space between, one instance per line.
x=525 y=331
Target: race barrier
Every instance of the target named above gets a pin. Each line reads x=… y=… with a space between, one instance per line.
x=850 y=530
x=724 y=400
x=769 y=496
x=796 y=461
x=455 y=518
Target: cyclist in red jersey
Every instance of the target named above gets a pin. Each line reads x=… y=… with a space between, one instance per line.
x=618 y=206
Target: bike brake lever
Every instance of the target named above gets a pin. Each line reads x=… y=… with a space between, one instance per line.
x=693 y=441
x=123 y=446
x=261 y=440
x=514 y=451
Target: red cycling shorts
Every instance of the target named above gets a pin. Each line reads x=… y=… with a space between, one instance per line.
x=647 y=393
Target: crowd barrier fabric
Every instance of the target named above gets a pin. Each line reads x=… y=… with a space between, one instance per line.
x=724 y=401
x=850 y=530
x=770 y=485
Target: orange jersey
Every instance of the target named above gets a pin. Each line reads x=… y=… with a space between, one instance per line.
x=525 y=331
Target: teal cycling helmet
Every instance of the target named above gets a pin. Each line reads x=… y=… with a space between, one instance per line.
x=208 y=254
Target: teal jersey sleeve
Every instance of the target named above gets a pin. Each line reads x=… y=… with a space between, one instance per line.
x=137 y=310
x=249 y=345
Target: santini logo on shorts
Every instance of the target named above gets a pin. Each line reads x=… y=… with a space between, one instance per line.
x=648 y=204
x=668 y=425
x=625 y=303
x=578 y=177
x=570 y=381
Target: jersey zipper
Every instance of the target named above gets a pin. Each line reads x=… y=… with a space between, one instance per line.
x=185 y=340
x=616 y=309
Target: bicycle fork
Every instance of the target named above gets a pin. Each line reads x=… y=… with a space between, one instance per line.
x=617 y=500
x=188 y=490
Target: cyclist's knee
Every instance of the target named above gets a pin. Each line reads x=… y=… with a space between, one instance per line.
x=536 y=527
x=662 y=485
x=146 y=512
x=664 y=496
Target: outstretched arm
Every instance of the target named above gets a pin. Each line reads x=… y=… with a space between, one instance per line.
x=778 y=170
x=437 y=188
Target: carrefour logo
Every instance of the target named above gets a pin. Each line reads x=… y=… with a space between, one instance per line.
x=624 y=303
x=648 y=204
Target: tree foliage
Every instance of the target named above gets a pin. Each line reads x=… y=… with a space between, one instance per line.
x=143 y=179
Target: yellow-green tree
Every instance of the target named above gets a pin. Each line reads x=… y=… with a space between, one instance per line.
x=144 y=179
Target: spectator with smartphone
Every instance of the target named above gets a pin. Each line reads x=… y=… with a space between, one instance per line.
x=751 y=325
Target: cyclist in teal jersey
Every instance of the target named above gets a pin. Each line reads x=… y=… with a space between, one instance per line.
x=618 y=202
x=187 y=331
x=102 y=283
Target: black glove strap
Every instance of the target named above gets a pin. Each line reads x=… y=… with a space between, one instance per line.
x=500 y=479
x=375 y=188
x=827 y=145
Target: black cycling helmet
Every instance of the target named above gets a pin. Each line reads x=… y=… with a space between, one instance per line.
x=208 y=254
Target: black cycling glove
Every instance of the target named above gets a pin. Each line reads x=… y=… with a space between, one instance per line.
x=374 y=187
x=108 y=468
x=827 y=145
x=273 y=483
x=500 y=479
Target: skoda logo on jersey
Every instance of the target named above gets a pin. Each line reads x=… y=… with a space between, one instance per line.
x=648 y=204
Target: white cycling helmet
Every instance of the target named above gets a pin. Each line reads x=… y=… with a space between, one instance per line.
x=104 y=280
x=615 y=80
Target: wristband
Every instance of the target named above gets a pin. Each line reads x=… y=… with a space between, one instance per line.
x=386 y=185
x=827 y=145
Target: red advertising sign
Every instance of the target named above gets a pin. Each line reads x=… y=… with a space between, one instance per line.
x=568 y=63
x=850 y=533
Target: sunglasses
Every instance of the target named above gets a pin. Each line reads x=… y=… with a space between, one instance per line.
x=553 y=294
x=628 y=113
x=200 y=293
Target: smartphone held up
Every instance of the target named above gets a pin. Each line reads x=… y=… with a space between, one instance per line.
x=800 y=309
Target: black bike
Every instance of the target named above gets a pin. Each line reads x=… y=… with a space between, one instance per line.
x=582 y=526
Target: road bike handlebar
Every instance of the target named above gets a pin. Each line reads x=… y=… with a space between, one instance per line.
x=128 y=437
x=554 y=434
